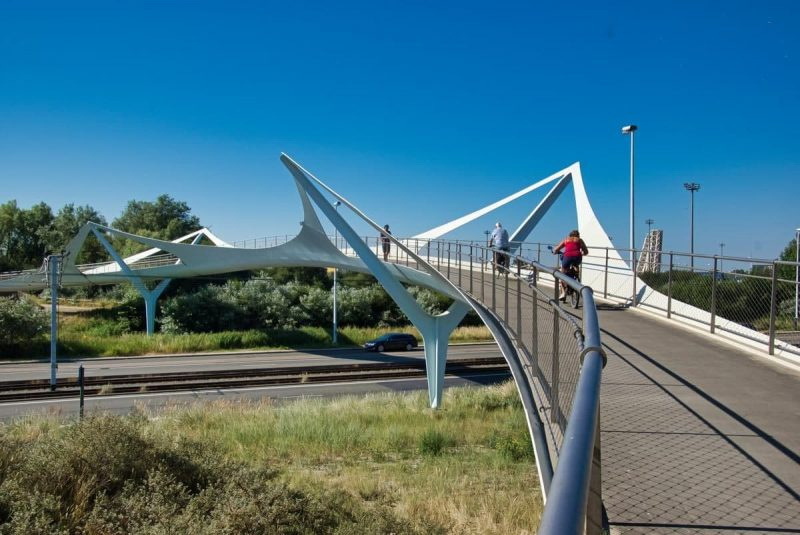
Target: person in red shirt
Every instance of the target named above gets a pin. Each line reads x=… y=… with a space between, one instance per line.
x=574 y=250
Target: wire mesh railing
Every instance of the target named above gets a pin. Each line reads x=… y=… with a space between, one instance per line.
x=553 y=343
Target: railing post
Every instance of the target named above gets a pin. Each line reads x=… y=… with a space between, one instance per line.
x=470 y=269
x=448 y=260
x=52 y=266
x=519 y=301
x=773 y=309
x=605 y=278
x=554 y=403
x=594 y=502
x=535 y=328
x=714 y=295
x=494 y=285
x=80 y=391
x=483 y=282
x=458 y=263
x=505 y=300
x=633 y=280
x=669 y=288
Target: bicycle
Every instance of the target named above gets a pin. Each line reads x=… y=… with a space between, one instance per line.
x=571 y=294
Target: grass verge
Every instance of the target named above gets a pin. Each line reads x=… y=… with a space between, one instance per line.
x=379 y=464
x=79 y=337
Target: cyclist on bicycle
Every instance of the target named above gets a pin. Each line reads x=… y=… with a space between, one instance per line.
x=574 y=250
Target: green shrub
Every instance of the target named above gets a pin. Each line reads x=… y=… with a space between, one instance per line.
x=21 y=322
x=514 y=446
x=433 y=442
x=107 y=474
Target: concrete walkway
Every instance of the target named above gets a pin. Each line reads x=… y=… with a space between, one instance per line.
x=697 y=437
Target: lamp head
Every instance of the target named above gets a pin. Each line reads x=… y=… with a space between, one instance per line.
x=629 y=129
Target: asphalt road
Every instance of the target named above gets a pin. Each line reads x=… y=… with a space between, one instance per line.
x=94 y=367
x=126 y=402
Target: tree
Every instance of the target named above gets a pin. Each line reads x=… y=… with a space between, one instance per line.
x=66 y=225
x=789 y=254
x=165 y=219
x=23 y=235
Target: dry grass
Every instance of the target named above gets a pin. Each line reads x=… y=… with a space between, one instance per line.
x=372 y=448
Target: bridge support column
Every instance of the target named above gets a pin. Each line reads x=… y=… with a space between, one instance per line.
x=150 y=300
x=150 y=296
x=436 y=334
x=435 y=329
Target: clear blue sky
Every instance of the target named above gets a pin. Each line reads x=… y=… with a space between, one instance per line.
x=417 y=111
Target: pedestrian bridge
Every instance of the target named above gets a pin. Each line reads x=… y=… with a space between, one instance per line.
x=647 y=414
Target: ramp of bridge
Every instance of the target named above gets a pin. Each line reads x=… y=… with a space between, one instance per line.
x=697 y=436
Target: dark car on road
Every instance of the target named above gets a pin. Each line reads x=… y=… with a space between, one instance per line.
x=392 y=341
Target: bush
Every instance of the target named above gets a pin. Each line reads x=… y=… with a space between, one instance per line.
x=108 y=475
x=433 y=442
x=21 y=322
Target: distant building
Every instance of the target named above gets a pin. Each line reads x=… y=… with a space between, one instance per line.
x=650 y=259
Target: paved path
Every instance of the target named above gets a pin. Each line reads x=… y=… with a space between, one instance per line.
x=697 y=437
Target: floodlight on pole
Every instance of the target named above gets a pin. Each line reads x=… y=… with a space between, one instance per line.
x=649 y=223
x=691 y=187
x=630 y=130
x=334 y=336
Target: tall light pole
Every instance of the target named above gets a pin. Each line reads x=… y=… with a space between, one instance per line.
x=649 y=223
x=334 y=336
x=721 y=253
x=626 y=130
x=691 y=187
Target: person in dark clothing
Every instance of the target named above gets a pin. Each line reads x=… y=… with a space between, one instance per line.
x=386 y=243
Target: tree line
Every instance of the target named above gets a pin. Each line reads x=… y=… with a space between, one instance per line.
x=27 y=235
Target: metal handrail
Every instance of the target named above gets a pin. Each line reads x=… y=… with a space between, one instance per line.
x=566 y=508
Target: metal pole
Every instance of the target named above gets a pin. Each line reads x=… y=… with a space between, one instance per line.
x=470 y=269
x=555 y=409
x=458 y=264
x=519 y=301
x=631 y=240
x=714 y=295
x=691 y=233
x=669 y=288
x=334 y=335
x=633 y=297
x=80 y=387
x=796 y=277
x=773 y=308
x=605 y=277
x=52 y=264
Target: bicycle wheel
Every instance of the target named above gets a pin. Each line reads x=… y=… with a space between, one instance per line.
x=574 y=298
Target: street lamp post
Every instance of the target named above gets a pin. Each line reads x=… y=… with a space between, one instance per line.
x=691 y=187
x=630 y=129
x=334 y=336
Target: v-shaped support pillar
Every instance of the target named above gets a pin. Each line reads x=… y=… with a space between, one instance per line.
x=435 y=330
x=150 y=296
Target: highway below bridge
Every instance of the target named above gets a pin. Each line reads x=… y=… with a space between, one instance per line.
x=296 y=366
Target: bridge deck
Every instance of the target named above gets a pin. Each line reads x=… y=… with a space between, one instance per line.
x=697 y=436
